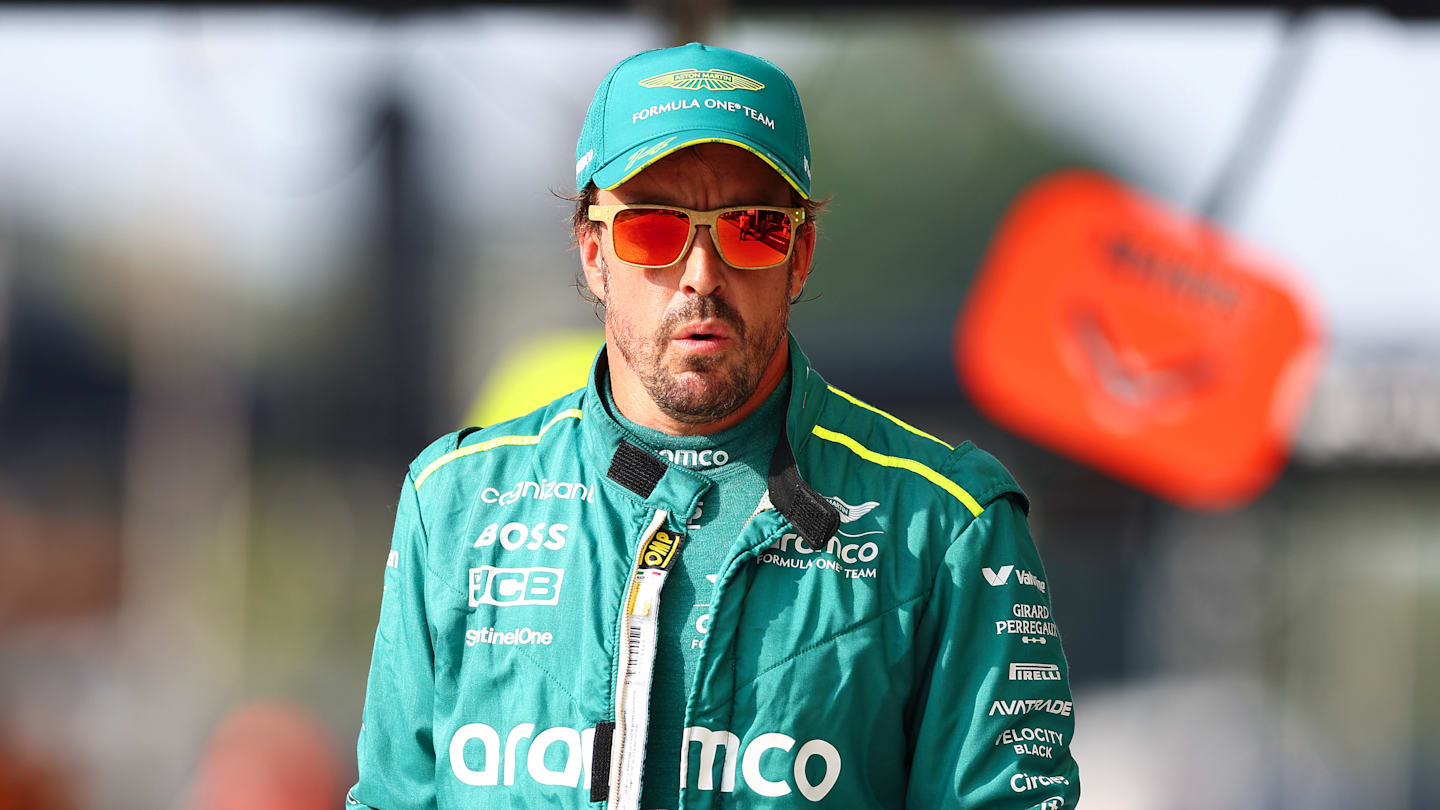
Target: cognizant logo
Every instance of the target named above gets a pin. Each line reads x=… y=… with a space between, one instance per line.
x=480 y=758
x=542 y=490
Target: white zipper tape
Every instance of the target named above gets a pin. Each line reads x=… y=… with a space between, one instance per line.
x=639 y=625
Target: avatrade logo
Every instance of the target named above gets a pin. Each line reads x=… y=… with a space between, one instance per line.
x=1034 y=672
x=1011 y=708
x=998 y=578
x=848 y=513
x=542 y=490
x=513 y=587
x=696 y=79
x=526 y=752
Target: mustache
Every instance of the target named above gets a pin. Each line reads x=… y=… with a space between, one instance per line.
x=701 y=307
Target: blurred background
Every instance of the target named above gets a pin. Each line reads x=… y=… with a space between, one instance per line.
x=252 y=261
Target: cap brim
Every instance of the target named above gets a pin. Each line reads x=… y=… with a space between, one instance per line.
x=622 y=169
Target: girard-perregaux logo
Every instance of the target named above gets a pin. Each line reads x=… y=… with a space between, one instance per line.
x=697 y=79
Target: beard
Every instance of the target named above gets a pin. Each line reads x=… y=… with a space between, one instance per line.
x=697 y=389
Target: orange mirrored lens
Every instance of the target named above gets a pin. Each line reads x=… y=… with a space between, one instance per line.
x=753 y=238
x=650 y=236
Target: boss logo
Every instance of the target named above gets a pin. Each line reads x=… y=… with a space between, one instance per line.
x=512 y=587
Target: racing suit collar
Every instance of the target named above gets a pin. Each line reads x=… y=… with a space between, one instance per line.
x=636 y=469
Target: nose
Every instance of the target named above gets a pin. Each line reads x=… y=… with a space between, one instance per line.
x=703 y=268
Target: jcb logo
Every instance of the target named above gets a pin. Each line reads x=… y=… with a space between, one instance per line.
x=511 y=587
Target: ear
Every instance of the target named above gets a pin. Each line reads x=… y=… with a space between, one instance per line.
x=590 y=247
x=803 y=254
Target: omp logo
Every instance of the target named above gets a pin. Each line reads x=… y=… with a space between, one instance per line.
x=1000 y=577
x=697 y=458
x=1034 y=672
x=772 y=785
x=1022 y=782
x=659 y=550
x=478 y=758
x=848 y=513
x=513 y=587
x=542 y=490
x=1011 y=708
x=514 y=536
x=696 y=79
x=641 y=154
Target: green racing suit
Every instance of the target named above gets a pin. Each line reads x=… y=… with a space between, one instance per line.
x=879 y=634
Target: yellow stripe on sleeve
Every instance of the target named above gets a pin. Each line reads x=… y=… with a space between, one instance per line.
x=491 y=444
x=867 y=406
x=902 y=463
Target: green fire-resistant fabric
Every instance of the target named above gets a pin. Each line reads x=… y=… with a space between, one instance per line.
x=909 y=661
x=736 y=461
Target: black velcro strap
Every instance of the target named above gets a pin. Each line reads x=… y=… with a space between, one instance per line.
x=635 y=469
x=600 y=761
x=815 y=518
x=460 y=437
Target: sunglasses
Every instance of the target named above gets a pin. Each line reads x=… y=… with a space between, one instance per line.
x=748 y=237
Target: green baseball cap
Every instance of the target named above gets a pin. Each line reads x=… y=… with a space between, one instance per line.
x=658 y=102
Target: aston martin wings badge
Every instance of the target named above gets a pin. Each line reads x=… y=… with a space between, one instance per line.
x=696 y=79
x=850 y=513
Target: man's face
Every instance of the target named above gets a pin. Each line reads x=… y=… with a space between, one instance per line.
x=699 y=335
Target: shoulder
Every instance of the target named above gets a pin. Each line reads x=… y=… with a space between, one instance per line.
x=871 y=444
x=460 y=456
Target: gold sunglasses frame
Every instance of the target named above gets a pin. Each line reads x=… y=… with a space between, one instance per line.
x=606 y=214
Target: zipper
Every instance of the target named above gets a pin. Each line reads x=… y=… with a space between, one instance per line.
x=638 y=627
x=763 y=506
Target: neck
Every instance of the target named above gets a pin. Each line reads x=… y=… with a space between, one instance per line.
x=635 y=403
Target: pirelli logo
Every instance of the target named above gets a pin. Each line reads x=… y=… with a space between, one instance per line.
x=1034 y=672
x=659 y=551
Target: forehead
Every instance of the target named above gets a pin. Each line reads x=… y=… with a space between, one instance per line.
x=708 y=175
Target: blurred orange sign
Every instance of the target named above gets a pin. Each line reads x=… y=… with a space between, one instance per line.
x=1138 y=340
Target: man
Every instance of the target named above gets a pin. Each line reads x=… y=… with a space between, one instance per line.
x=709 y=578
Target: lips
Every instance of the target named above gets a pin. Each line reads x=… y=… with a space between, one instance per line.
x=702 y=331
